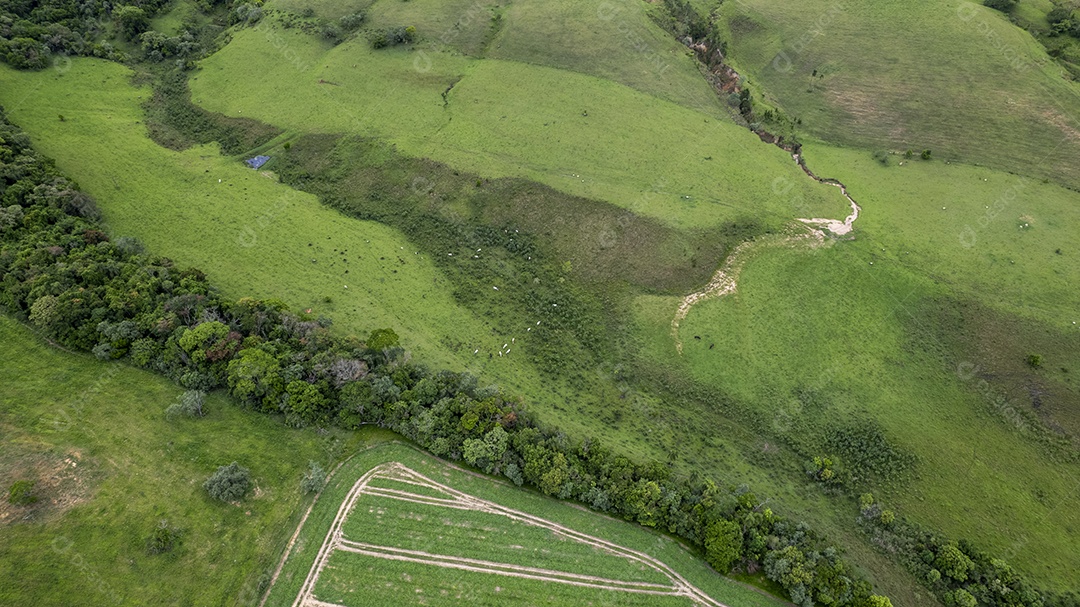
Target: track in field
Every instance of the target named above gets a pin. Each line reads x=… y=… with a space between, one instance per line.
x=426 y=491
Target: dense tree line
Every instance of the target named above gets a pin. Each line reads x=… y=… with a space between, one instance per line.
x=958 y=572
x=62 y=273
x=35 y=33
x=32 y=32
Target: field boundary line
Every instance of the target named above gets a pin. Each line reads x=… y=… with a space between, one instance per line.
x=405 y=496
x=508 y=569
x=335 y=540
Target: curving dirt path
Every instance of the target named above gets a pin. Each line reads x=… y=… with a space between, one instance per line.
x=335 y=541
x=725 y=280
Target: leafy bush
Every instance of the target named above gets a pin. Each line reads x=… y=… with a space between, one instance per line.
x=247 y=13
x=887 y=517
x=1004 y=6
x=823 y=469
x=162 y=539
x=683 y=20
x=331 y=32
x=21 y=493
x=313 y=479
x=953 y=562
x=392 y=36
x=229 y=484
x=349 y=23
x=190 y=404
x=133 y=21
x=960 y=598
x=24 y=53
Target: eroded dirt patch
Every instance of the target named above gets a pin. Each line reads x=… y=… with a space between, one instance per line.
x=62 y=480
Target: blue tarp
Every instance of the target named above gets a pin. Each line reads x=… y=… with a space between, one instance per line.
x=257 y=161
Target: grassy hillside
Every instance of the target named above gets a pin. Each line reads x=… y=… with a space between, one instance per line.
x=919 y=329
x=596 y=400
x=1001 y=238
x=578 y=36
x=954 y=77
x=923 y=324
x=579 y=134
x=813 y=365
x=109 y=467
x=252 y=235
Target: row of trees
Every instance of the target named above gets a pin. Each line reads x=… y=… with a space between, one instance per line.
x=958 y=572
x=60 y=271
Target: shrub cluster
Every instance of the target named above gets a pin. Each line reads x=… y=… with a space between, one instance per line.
x=1004 y=6
x=1064 y=20
x=314 y=478
x=229 y=483
x=959 y=573
x=35 y=34
x=391 y=36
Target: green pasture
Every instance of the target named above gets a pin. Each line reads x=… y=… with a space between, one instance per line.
x=355 y=580
x=817 y=339
x=485 y=536
x=1006 y=240
x=922 y=324
x=954 y=77
x=251 y=235
x=577 y=133
x=611 y=40
x=109 y=467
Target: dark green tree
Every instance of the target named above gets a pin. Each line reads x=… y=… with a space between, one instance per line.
x=1004 y=6
x=229 y=483
x=952 y=561
x=163 y=538
x=723 y=545
x=132 y=20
